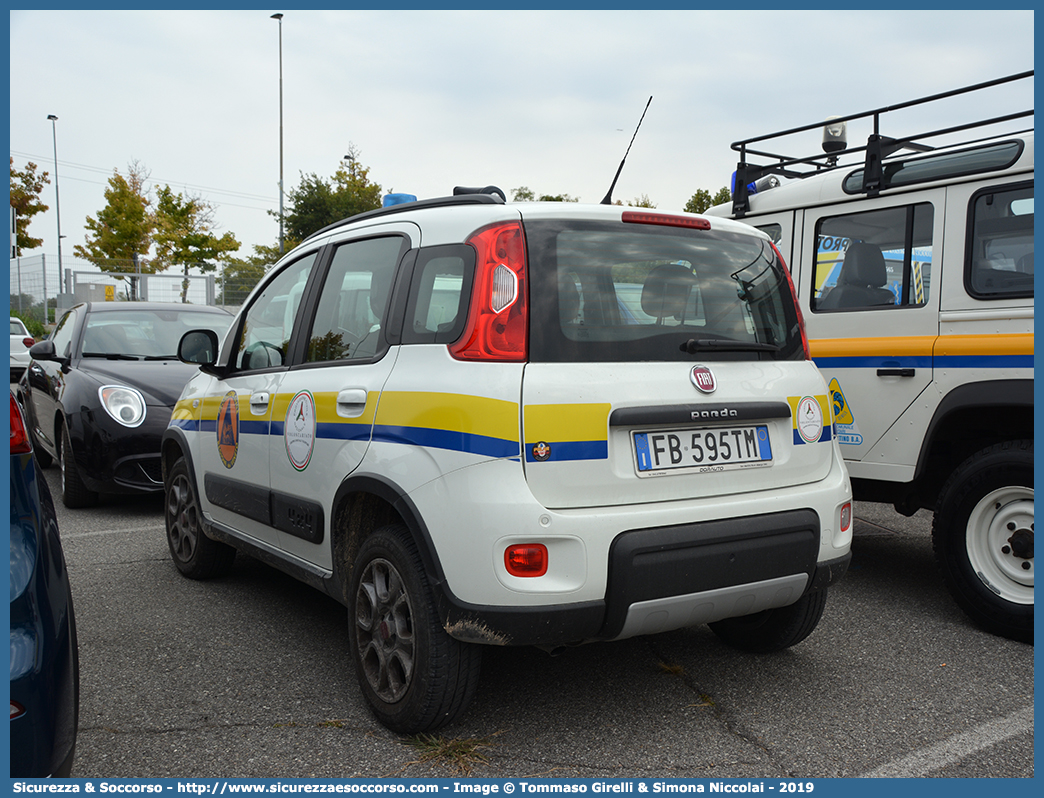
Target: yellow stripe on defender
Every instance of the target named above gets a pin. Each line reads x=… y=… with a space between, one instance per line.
x=917 y=345
x=567 y=422
x=999 y=344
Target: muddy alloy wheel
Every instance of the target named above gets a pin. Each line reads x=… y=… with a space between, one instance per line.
x=384 y=620
x=415 y=677
x=194 y=554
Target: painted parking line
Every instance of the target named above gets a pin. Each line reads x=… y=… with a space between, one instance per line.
x=101 y=532
x=921 y=763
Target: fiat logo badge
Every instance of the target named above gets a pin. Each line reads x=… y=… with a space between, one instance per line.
x=703 y=379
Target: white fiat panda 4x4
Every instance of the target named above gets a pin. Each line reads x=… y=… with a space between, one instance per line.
x=483 y=423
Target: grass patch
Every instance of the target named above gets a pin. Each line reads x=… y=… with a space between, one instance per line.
x=460 y=755
x=672 y=670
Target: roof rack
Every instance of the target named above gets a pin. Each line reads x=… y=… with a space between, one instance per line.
x=461 y=196
x=878 y=147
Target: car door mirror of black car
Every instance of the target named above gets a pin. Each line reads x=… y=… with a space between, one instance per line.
x=199 y=347
x=44 y=350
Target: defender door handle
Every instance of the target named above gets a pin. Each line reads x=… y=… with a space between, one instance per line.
x=896 y=372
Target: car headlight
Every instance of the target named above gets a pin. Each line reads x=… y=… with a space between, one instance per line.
x=125 y=405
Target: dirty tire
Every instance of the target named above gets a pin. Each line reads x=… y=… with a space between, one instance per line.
x=195 y=555
x=415 y=677
x=75 y=493
x=983 y=537
x=776 y=629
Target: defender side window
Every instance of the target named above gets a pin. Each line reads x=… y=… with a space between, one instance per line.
x=999 y=259
x=880 y=259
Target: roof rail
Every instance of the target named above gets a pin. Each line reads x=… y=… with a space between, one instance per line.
x=476 y=198
x=878 y=147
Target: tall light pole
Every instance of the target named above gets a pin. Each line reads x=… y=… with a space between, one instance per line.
x=279 y=18
x=57 y=206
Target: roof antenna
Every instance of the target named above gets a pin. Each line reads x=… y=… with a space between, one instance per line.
x=609 y=194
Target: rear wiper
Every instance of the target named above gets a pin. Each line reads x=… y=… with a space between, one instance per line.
x=110 y=355
x=694 y=345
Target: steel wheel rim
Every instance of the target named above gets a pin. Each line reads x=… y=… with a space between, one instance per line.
x=384 y=631
x=182 y=518
x=998 y=529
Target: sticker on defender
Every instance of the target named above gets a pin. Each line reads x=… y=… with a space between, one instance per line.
x=228 y=429
x=299 y=430
x=847 y=429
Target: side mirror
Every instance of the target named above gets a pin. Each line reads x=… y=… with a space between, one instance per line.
x=43 y=351
x=199 y=347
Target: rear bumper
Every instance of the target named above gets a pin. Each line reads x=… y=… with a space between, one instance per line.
x=669 y=578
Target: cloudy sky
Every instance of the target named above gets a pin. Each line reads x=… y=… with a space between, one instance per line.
x=433 y=99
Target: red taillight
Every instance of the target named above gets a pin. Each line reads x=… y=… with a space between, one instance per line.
x=27 y=342
x=497 y=325
x=19 y=438
x=797 y=306
x=846 y=516
x=670 y=220
x=17 y=710
x=526 y=559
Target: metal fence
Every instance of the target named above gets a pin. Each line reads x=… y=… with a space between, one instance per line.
x=37 y=283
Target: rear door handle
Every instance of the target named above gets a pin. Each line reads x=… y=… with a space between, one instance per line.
x=896 y=372
x=351 y=402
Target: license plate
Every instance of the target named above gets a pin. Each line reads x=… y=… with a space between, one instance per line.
x=702 y=450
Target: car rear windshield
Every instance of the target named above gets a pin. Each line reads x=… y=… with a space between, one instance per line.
x=614 y=292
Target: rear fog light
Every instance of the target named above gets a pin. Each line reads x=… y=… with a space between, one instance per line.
x=526 y=559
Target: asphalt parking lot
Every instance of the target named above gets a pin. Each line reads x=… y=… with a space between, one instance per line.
x=248 y=677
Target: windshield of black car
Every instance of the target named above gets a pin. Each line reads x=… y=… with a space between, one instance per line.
x=603 y=292
x=148 y=334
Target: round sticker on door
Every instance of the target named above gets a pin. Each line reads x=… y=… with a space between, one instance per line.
x=809 y=419
x=299 y=430
x=228 y=429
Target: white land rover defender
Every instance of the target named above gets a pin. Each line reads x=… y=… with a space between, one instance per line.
x=486 y=423
x=913 y=263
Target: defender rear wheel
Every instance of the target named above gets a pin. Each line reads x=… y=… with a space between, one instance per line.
x=414 y=676
x=983 y=538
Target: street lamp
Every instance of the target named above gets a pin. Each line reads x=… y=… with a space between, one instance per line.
x=279 y=18
x=57 y=205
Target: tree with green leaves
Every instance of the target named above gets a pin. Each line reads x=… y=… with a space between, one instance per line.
x=702 y=199
x=184 y=236
x=526 y=194
x=26 y=187
x=122 y=232
x=318 y=202
x=240 y=275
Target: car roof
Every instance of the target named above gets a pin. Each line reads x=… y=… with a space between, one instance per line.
x=108 y=307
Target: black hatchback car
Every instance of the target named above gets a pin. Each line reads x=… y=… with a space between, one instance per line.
x=98 y=393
